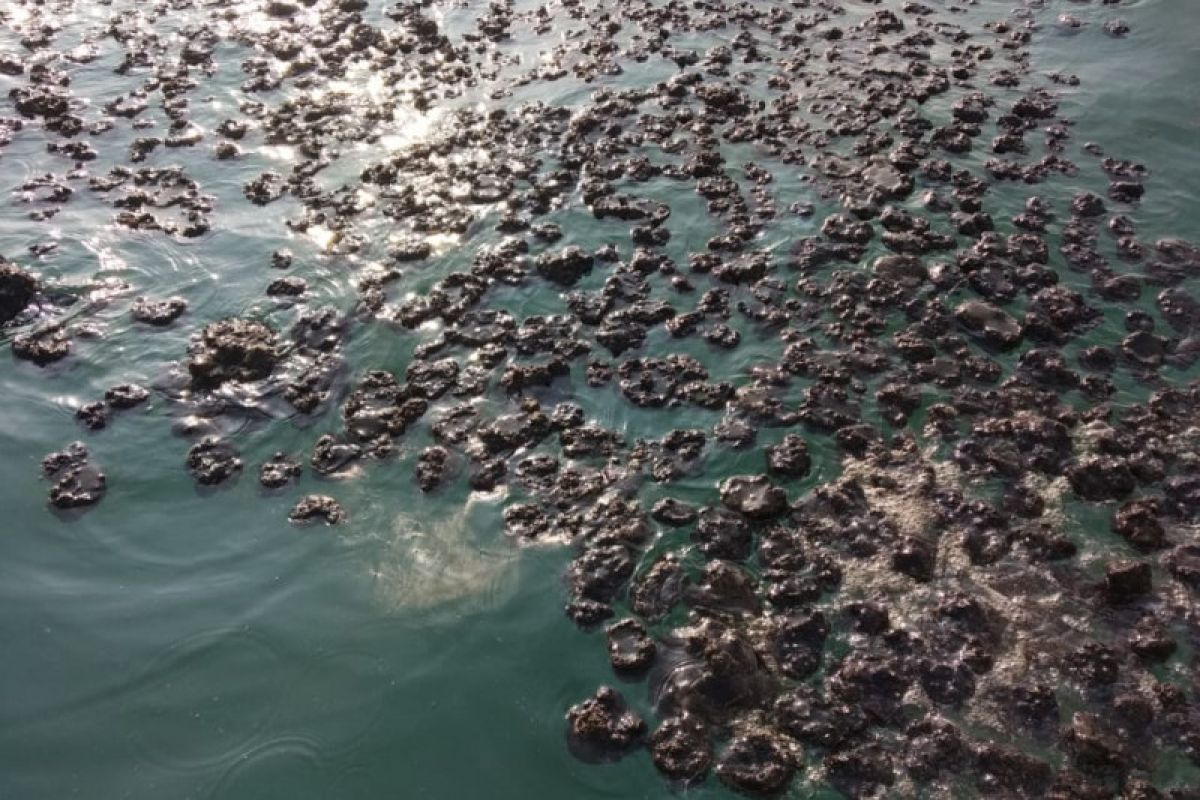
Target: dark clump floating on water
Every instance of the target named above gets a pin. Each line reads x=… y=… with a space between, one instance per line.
x=316 y=507
x=922 y=614
x=77 y=482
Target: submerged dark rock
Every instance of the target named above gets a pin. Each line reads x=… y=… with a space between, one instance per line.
x=158 y=312
x=862 y=769
x=656 y=590
x=721 y=677
x=17 y=290
x=1126 y=580
x=1183 y=562
x=672 y=512
x=314 y=507
x=630 y=648
x=126 y=396
x=232 y=350
x=599 y=572
x=753 y=495
x=799 y=642
x=1101 y=478
x=330 y=455
x=1003 y=768
x=804 y=714
x=602 y=728
x=1151 y=641
x=564 y=267
x=92 y=416
x=278 y=471
x=1137 y=521
x=680 y=748
x=43 y=347
x=722 y=533
x=77 y=482
x=790 y=457
x=991 y=324
x=755 y=763
x=431 y=467
x=213 y=461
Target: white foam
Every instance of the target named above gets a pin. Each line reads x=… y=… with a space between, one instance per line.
x=433 y=561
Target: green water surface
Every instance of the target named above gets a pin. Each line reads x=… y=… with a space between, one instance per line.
x=173 y=643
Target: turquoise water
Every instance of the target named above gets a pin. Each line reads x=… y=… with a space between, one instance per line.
x=172 y=642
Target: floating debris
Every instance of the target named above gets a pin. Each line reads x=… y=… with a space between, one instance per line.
x=917 y=613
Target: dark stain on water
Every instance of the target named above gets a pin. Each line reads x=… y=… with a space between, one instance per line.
x=830 y=364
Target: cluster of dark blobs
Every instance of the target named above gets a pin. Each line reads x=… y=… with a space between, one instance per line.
x=925 y=620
